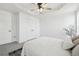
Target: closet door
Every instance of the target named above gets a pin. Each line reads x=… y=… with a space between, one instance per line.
x=5 y=27
x=35 y=27
x=28 y=27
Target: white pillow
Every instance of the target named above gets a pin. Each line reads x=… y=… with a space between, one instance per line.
x=67 y=44
x=75 y=51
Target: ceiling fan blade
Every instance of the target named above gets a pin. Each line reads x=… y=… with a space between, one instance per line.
x=32 y=9
x=49 y=8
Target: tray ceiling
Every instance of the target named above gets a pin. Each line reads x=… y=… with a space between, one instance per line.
x=26 y=7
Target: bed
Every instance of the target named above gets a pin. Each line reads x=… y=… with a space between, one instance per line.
x=44 y=46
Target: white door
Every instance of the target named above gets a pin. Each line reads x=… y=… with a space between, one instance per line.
x=5 y=27
x=29 y=27
x=35 y=29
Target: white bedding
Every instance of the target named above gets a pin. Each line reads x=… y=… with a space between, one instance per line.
x=44 y=46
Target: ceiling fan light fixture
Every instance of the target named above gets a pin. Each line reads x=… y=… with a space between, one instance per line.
x=40 y=10
x=44 y=5
x=41 y=7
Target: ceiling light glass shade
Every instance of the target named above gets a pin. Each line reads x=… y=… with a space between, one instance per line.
x=40 y=10
x=44 y=5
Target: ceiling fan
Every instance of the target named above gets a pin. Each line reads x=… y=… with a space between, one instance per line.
x=41 y=7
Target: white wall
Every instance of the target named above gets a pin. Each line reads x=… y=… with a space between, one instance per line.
x=51 y=25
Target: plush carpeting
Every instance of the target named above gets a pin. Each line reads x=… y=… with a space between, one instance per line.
x=16 y=52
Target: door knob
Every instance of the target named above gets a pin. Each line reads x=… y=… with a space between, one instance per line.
x=9 y=30
x=32 y=29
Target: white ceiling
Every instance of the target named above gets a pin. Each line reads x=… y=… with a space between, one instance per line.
x=26 y=7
